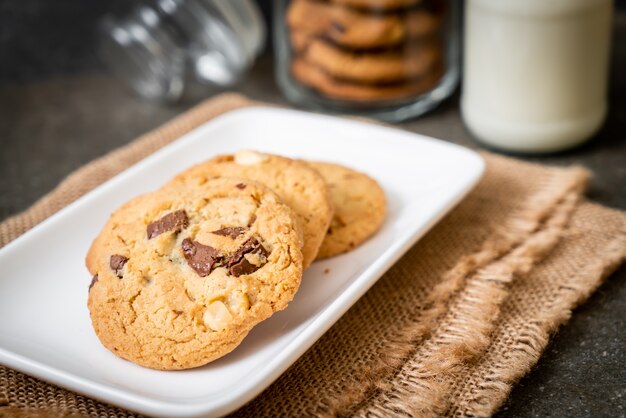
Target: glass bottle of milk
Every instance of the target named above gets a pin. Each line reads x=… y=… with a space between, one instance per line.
x=535 y=72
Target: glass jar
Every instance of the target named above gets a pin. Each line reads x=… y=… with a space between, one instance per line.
x=162 y=42
x=388 y=59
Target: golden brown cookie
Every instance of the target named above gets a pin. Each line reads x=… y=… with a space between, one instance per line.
x=180 y=276
x=299 y=40
x=356 y=29
x=374 y=67
x=360 y=208
x=378 y=4
x=296 y=184
x=329 y=86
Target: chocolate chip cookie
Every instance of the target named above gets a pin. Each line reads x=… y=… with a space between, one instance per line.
x=360 y=208
x=316 y=78
x=410 y=62
x=378 y=5
x=356 y=29
x=299 y=186
x=181 y=275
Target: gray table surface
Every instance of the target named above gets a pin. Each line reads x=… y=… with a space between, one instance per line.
x=50 y=127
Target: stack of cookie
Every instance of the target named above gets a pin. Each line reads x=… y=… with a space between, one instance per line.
x=366 y=50
x=182 y=274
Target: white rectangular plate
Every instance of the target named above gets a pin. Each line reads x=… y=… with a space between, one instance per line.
x=45 y=329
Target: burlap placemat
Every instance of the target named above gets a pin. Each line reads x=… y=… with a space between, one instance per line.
x=447 y=331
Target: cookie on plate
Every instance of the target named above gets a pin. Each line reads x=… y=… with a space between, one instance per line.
x=360 y=208
x=356 y=29
x=180 y=276
x=323 y=82
x=297 y=185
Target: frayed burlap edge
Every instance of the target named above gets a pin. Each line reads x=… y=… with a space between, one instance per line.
x=523 y=354
x=478 y=284
x=462 y=332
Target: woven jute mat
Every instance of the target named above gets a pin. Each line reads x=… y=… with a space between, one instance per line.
x=447 y=331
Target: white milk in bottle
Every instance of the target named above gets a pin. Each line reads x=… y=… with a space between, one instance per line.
x=535 y=72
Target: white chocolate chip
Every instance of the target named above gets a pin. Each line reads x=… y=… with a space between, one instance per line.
x=238 y=302
x=249 y=157
x=217 y=316
x=255 y=259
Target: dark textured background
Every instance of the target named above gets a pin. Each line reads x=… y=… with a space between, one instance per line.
x=59 y=109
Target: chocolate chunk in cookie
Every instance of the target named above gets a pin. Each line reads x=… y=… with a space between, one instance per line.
x=200 y=257
x=248 y=259
x=175 y=221
x=116 y=262
x=94 y=280
x=339 y=27
x=230 y=231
